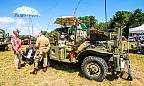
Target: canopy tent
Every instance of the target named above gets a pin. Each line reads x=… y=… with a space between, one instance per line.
x=25 y=11
x=138 y=29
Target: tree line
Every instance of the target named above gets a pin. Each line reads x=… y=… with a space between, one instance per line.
x=121 y=19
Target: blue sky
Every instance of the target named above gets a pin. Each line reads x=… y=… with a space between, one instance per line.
x=50 y=9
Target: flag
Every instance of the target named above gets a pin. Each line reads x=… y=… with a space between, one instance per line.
x=82 y=26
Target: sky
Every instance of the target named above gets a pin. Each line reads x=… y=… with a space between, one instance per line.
x=51 y=9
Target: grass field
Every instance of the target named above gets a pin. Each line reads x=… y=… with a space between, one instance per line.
x=62 y=74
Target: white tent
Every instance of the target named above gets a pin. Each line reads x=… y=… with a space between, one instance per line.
x=138 y=29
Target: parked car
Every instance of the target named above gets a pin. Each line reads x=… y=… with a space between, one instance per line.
x=131 y=39
x=142 y=43
x=141 y=37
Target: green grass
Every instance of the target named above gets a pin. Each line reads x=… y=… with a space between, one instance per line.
x=61 y=74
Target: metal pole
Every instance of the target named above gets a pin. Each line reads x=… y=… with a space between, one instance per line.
x=105 y=11
x=32 y=28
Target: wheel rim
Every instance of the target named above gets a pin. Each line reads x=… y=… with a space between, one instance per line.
x=93 y=69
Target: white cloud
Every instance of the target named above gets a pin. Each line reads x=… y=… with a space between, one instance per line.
x=9 y=23
x=6 y=20
x=37 y=24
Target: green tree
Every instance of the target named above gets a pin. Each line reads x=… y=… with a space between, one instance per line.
x=126 y=20
x=120 y=19
x=90 y=21
x=101 y=26
x=51 y=33
x=137 y=18
x=21 y=37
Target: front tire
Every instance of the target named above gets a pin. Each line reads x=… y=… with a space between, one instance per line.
x=94 y=68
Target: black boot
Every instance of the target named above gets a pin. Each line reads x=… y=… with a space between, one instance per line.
x=44 y=69
x=34 y=71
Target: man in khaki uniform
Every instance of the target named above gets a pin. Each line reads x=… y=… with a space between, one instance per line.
x=43 y=46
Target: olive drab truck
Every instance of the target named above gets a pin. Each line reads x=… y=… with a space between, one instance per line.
x=3 y=40
x=96 y=53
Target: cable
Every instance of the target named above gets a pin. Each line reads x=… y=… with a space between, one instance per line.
x=76 y=7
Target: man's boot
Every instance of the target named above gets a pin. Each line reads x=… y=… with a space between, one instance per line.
x=34 y=71
x=44 y=69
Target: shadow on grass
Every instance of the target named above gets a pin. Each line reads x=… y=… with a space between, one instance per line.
x=71 y=68
x=68 y=67
x=23 y=64
x=3 y=50
x=111 y=77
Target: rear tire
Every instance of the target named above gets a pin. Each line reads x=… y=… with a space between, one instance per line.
x=94 y=68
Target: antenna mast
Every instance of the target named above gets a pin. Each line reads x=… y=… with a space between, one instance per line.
x=105 y=11
x=76 y=7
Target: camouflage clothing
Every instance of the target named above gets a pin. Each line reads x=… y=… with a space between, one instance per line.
x=42 y=53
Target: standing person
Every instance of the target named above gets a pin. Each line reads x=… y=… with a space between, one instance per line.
x=16 y=46
x=42 y=46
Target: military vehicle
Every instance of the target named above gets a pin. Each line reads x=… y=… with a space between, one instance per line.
x=96 y=53
x=3 y=40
